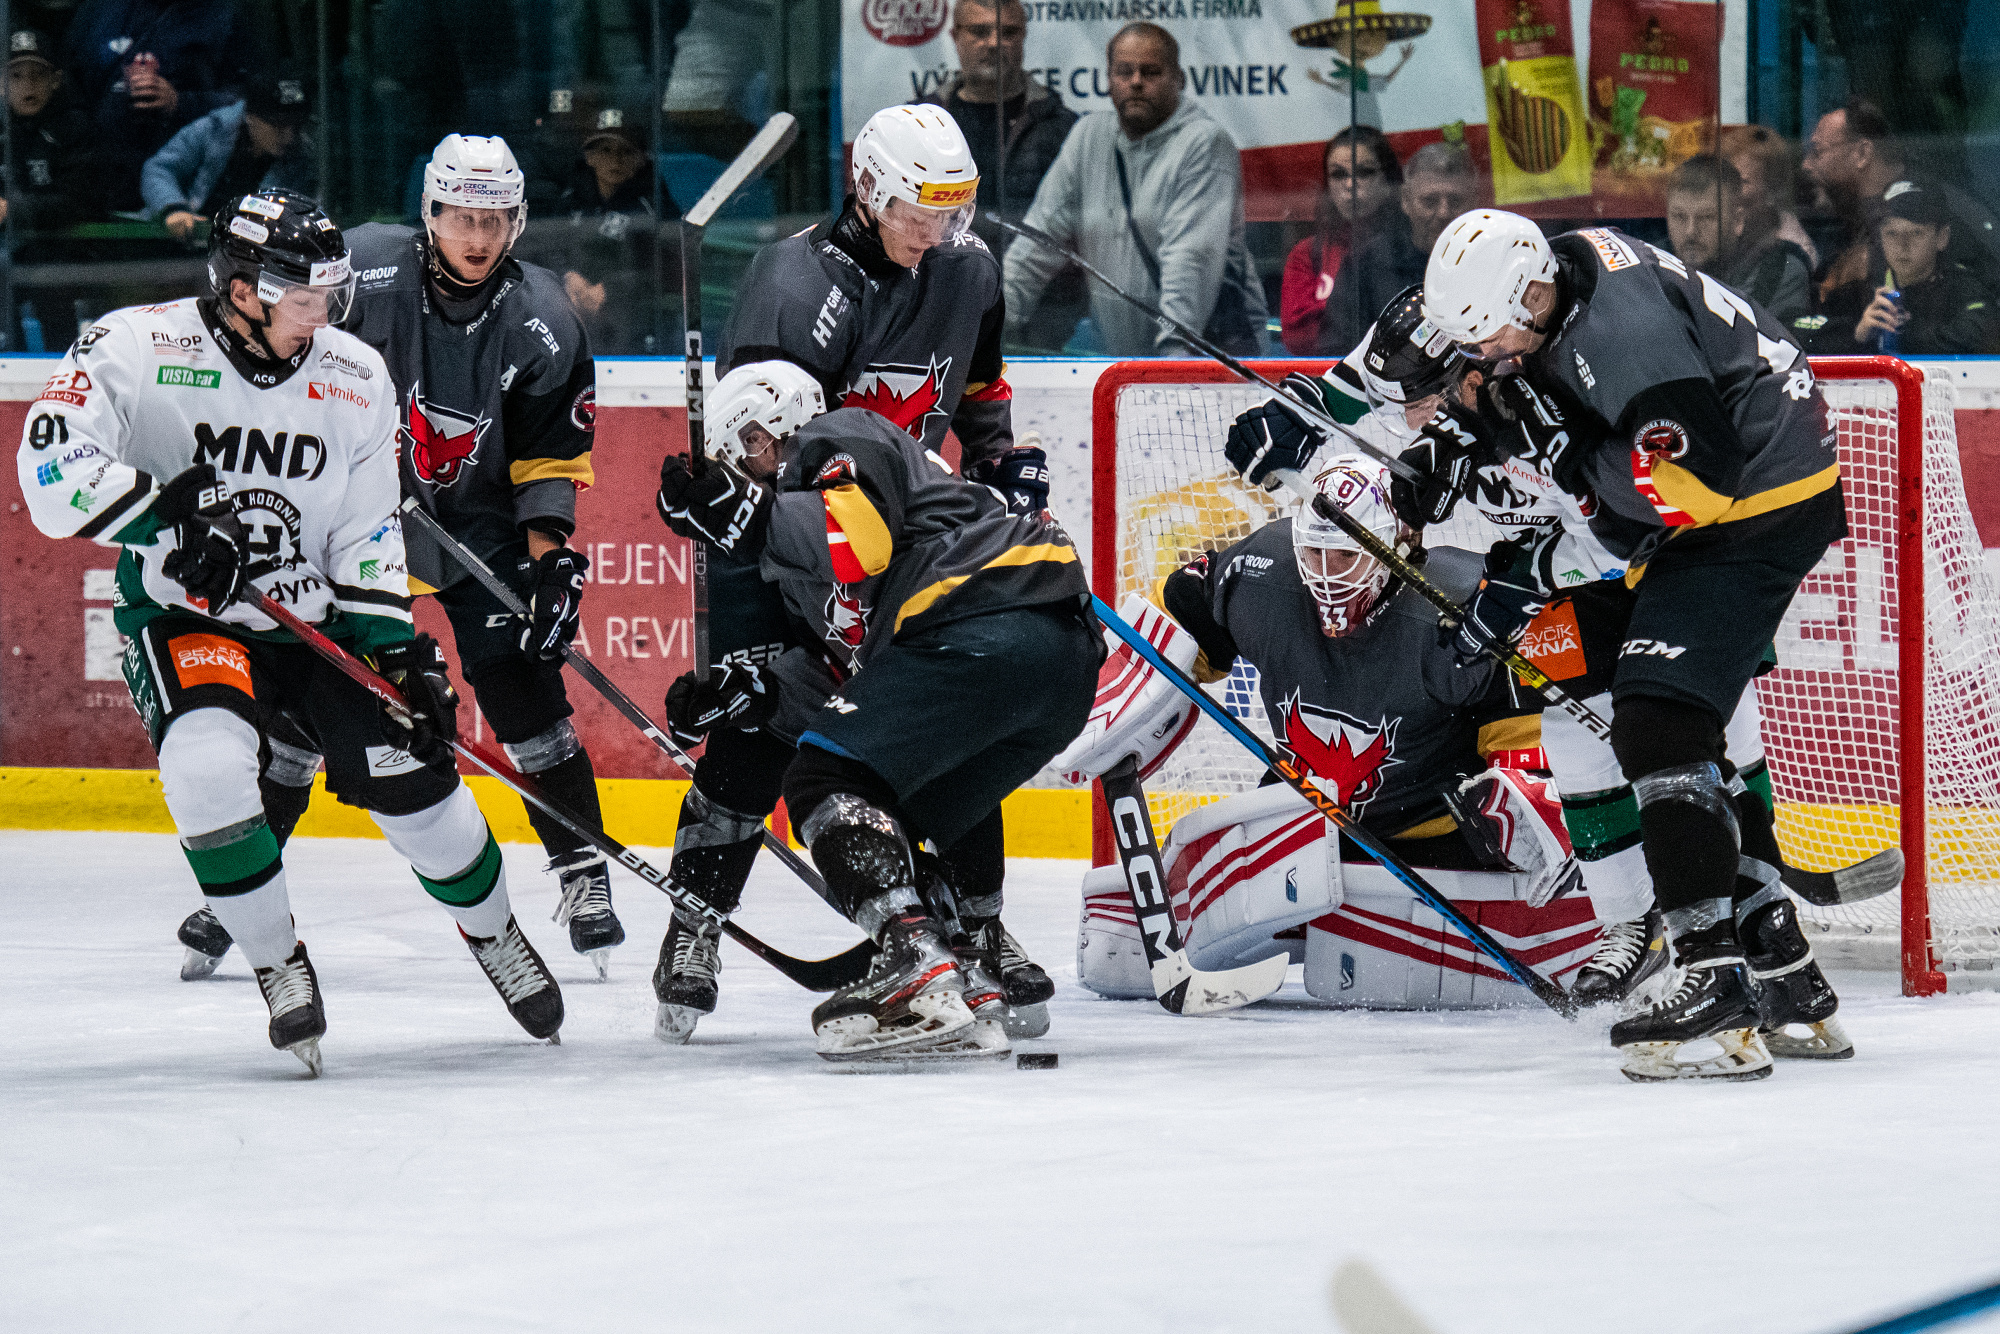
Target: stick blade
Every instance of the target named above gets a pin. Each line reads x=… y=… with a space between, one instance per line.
x=1184 y=989
x=756 y=158
x=1365 y=1304
x=1850 y=884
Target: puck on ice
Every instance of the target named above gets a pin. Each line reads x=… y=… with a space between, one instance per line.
x=1035 y=1060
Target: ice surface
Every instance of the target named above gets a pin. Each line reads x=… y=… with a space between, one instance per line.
x=161 y=1168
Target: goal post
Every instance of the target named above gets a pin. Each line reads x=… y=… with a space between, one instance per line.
x=1899 y=622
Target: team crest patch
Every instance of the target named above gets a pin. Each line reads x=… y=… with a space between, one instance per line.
x=907 y=395
x=583 y=409
x=1343 y=756
x=846 y=620
x=1612 y=251
x=1662 y=437
x=202 y=660
x=441 y=443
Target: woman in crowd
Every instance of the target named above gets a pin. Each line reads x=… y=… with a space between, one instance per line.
x=1362 y=177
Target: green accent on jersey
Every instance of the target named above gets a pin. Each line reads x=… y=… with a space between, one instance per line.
x=1340 y=401
x=239 y=867
x=471 y=886
x=370 y=568
x=83 y=500
x=1602 y=823
x=133 y=609
x=189 y=378
x=1758 y=779
x=139 y=531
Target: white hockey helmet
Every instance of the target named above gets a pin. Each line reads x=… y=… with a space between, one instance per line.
x=779 y=396
x=1346 y=582
x=913 y=170
x=468 y=171
x=1476 y=282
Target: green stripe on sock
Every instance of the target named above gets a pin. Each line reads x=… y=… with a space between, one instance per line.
x=1758 y=779
x=1602 y=823
x=471 y=886
x=239 y=867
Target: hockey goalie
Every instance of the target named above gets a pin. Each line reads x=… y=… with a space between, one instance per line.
x=1439 y=760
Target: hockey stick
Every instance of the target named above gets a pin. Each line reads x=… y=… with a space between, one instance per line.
x=812 y=974
x=755 y=159
x=1544 y=990
x=590 y=672
x=1946 y=1312
x=1180 y=986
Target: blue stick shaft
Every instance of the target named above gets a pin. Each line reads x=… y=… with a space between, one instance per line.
x=1938 y=1313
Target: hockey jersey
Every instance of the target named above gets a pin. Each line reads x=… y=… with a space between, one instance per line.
x=307 y=449
x=1382 y=719
x=496 y=413
x=872 y=536
x=919 y=346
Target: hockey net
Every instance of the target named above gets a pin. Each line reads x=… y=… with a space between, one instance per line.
x=1849 y=779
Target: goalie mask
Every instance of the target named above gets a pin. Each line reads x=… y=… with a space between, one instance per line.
x=755 y=406
x=1348 y=585
x=913 y=170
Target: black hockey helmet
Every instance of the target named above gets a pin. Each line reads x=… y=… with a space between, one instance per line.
x=283 y=242
x=1408 y=357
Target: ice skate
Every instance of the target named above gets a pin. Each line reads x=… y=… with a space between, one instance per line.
x=1027 y=985
x=684 y=982
x=1792 y=988
x=985 y=997
x=298 y=1018
x=585 y=907
x=1628 y=955
x=1714 y=999
x=911 y=1000
x=206 y=940
x=521 y=978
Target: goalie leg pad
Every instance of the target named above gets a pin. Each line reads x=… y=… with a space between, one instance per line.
x=1137 y=712
x=1245 y=868
x=1110 y=956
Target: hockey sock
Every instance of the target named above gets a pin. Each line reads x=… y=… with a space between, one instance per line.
x=1604 y=832
x=283 y=805
x=572 y=785
x=714 y=849
x=1672 y=753
x=242 y=877
x=1757 y=777
x=456 y=859
x=863 y=854
x=976 y=867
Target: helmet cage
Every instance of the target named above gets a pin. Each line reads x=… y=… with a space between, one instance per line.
x=1347 y=593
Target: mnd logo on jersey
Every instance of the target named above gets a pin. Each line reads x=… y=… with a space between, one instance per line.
x=439 y=442
x=1343 y=756
x=907 y=395
x=279 y=454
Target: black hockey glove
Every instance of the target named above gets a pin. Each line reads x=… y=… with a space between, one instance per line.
x=1021 y=475
x=211 y=553
x=555 y=602
x=733 y=696
x=1447 y=450
x=1273 y=435
x=722 y=507
x=417 y=671
x=1512 y=591
x=1531 y=426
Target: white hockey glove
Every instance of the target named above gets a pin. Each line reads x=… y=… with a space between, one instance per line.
x=1139 y=712
x=1511 y=816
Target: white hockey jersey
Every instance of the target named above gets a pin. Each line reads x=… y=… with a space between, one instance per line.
x=308 y=451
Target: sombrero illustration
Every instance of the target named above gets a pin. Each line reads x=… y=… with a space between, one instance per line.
x=1361 y=27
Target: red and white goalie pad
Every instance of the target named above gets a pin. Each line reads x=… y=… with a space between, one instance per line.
x=1110 y=956
x=1138 y=712
x=1513 y=816
x=1245 y=868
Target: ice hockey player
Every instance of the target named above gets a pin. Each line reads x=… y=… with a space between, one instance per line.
x=1696 y=426
x=194 y=437
x=918 y=592
x=481 y=344
x=893 y=305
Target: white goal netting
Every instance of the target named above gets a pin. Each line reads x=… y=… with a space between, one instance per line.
x=1833 y=711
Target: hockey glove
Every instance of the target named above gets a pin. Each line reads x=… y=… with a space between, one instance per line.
x=1447 y=450
x=555 y=603
x=211 y=553
x=734 y=696
x=417 y=671
x=1533 y=428
x=1513 y=820
x=1512 y=592
x=722 y=507
x=1021 y=476
x=1272 y=435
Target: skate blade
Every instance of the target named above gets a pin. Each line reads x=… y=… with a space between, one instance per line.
x=1743 y=1057
x=601 y=961
x=926 y=1019
x=307 y=1050
x=195 y=965
x=1026 y=1021
x=1823 y=1041
x=675 y=1023
x=985 y=1040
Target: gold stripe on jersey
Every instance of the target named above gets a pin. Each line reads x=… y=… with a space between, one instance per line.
x=578 y=470
x=1519 y=733
x=1433 y=828
x=868 y=539
x=1685 y=492
x=921 y=601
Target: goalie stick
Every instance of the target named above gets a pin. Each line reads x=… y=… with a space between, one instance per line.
x=1180 y=987
x=812 y=974
x=1543 y=990
x=755 y=159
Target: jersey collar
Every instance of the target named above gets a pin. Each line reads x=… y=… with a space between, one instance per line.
x=260 y=373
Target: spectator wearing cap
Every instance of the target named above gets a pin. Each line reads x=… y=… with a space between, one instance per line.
x=607 y=228
x=55 y=170
x=1438 y=185
x=239 y=149
x=1936 y=307
x=1705 y=227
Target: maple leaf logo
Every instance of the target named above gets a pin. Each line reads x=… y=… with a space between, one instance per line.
x=1343 y=756
x=907 y=395
x=440 y=442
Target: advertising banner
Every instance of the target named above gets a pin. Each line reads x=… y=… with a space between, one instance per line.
x=1534 y=108
x=1654 y=93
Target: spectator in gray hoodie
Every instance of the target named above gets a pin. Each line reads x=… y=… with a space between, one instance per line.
x=1151 y=193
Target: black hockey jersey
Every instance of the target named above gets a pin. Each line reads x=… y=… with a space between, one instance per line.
x=872 y=536
x=1688 y=405
x=497 y=412
x=919 y=346
x=1382 y=719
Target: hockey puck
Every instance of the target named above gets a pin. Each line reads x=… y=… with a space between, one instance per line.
x=1035 y=1060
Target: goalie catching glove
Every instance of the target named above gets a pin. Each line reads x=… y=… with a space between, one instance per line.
x=734 y=696
x=1511 y=819
x=1273 y=435
x=722 y=507
x=211 y=553
x=417 y=670
x=1138 y=712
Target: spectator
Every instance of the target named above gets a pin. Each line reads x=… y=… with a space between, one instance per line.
x=607 y=243
x=1939 y=308
x=1706 y=225
x=1770 y=187
x=1438 y=185
x=1361 y=177
x=55 y=176
x=235 y=150
x=1151 y=193
x=145 y=68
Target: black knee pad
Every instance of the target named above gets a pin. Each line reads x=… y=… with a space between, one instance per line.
x=520 y=699
x=864 y=856
x=744 y=771
x=1672 y=753
x=1649 y=734
x=715 y=848
x=816 y=773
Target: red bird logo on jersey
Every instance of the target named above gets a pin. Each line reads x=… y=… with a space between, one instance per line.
x=846 y=621
x=1343 y=756
x=440 y=443
x=907 y=395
